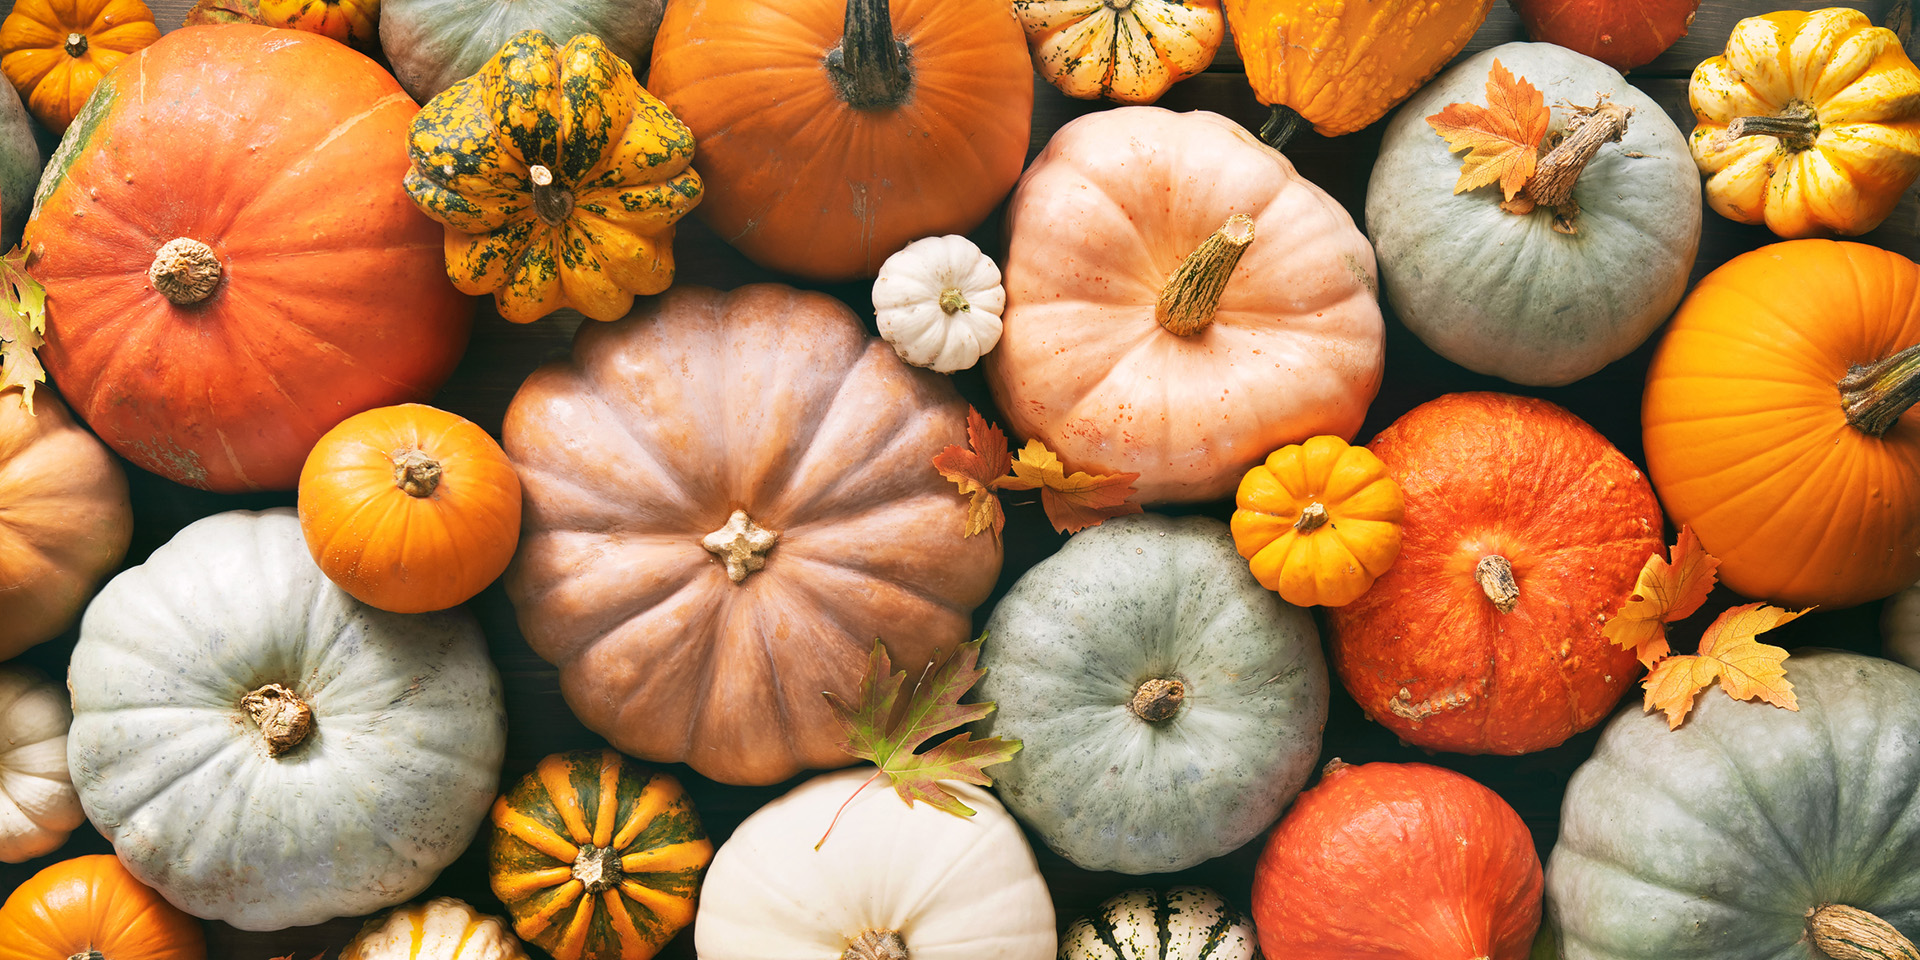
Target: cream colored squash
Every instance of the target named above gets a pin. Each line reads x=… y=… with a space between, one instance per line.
x=38 y=807
x=938 y=301
x=440 y=929
x=890 y=882
x=1130 y=51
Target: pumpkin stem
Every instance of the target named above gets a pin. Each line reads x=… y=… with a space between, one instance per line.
x=550 y=203
x=869 y=66
x=1192 y=294
x=1875 y=395
x=416 y=473
x=184 y=270
x=598 y=868
x=1844 y=933
x=76 y=45
x=1795 y=127
x=283 y=718
x=741 y=544
x=1158 y=699
x=1282 y=123
x=1495 y=576
x=1312 y=518
x=88 y=955
x=1553 y=180
x=876 y=945
x=952 y=301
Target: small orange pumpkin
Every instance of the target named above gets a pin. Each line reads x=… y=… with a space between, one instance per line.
x=92 y=907
x=1319 y=521
x=55 y=51
x=410 y=508
x=355 y=22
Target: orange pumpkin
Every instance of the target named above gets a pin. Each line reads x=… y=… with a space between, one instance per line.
x=215 y=306
x=1778 y=424
x=834 y=132
x=55 y=51
x=1524 y=530
x=348 y=21
x=92 y=907
x=410 y=508
x=1122 y=357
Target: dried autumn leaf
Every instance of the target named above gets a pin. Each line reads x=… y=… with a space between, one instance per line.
x=1502 y=138
x=1746 y=668
x=23 y=318
x=977 y=471
x=1073 y=502
x=886 y=731
x=1667 y=592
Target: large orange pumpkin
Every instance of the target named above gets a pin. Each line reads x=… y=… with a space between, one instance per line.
x=1524 y=531
x=1122 y=356
x=728 y=497
x=1778 y=424
x=834 y=132
x=231 y=264
x=90 y=907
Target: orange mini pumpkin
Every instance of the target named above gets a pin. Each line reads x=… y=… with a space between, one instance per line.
x=410 y=508
x=55 y=51
x=1319 y=521
x=92 y=907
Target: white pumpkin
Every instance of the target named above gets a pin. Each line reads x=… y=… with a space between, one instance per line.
x=38 y=806
x=938 y=301
x=264 y=749
x=440 y=929
x=1900 y=626
x=1184 y=923
x=890 y=882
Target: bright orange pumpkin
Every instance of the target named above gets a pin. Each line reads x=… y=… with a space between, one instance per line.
x=1318 y=522
x=348 y=21
x=834 y=132
x=1524 y=531
x=1777 y=421
x=55 y=51
x=91 y=906
x=215 y=306
x=410 y=508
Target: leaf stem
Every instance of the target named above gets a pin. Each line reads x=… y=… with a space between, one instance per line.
x=843 y=806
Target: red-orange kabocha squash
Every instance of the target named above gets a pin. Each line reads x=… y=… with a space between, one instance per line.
x=1779 y=421
x=834 y=132
x=1622 y=34
x=1398 y=860
x=729 y=496
x=231 y=264
x=1524 y=531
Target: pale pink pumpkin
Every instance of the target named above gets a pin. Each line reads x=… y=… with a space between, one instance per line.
x=1103 y=221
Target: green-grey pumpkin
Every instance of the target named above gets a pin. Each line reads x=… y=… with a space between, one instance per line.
x=264 y=749
x=434 y=43
x=1170 y=706
x=1510 y=294
x=20 y=161
x=1720 y=840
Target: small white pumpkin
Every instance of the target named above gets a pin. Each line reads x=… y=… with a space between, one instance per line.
x=440 y=929
x=1900 y=626
x=938 y=301
x=1184 y=923
x=890 y=882
x=38 y=805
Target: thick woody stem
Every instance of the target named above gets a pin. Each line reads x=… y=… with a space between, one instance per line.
x=1553 y=180
x=184 y=270
x=1876 y=395
x=876 y=945
x=1282 y=123
x=284 y=719
x=552 y=204
x=1192 y=294
x=1158 y=699
x=1844 y=933
x=870 y=67
x=416 y=473
x=1795 y=127
x=1495 y=576
x=76 y=45
x=1312 y=518
x=741 y=544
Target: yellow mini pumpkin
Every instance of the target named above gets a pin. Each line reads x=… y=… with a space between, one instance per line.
x=1810 y=123
x=1129 y=51
x=558 y=177
x=55 y=51
x=1319 y=521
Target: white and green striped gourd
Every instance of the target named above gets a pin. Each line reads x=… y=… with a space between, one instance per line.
x=1181 y=923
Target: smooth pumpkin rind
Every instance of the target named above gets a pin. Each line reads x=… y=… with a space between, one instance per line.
x=35 y=59
x=1622 y=34
x=93 y=903
x=433 y=44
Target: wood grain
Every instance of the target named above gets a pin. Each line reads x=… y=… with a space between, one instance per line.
x=502 y=354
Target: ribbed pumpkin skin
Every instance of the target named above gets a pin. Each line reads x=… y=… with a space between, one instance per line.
x=1622 y=34
x=580 y=803
x=1746 y=440
x=803 y=183
x=348 y=21
x=1126 y=52
x=434 y=43
x=1714 y=841
x=93 y=903
x=1343 y=66
x=36 y=59
x=1425 y=651
x=440 y=929
x=334 y=297
x=1400 y=861
x=38 y=806
x=1359 y=534
x=1180 y=923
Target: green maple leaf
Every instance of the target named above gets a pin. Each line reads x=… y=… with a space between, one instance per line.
x=23 y=319
x=880 y=728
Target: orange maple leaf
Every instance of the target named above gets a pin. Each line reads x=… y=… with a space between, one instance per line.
x=1665 y=593
x=1502 y=138
x=1073 y=502
x=1746 y=668
x=978 y=471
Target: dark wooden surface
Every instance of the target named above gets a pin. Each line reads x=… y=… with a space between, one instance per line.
x=503 y=354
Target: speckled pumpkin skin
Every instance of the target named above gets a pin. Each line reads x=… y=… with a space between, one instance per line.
x=1504 y=294
x=1713 y=841
x=1133 y=599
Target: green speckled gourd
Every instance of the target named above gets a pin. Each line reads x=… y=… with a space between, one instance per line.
x=1181 y=923
x=1170 y=706
x=433 y=44
x=1735 y=836
x=558 y=177
x=1512 y=295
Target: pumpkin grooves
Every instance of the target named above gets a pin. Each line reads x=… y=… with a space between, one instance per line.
x=76 y=45
x=876 y=945
x=552 y=204
x=416 y=473
x=1795 y=127
x=1494 y=573
x=1158 y=699
x=1552 y=184
x=870 y=68
x=1192 y=294
x=283 y=718
x=1845 y=933
x=184 y=270
x=741 y=544
x=1875 y=395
